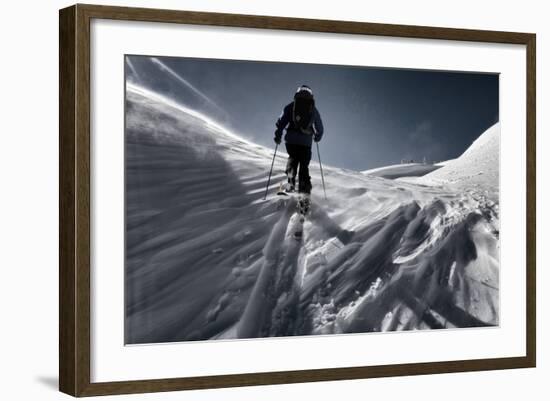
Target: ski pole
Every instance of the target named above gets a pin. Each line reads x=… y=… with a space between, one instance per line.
x=321 y=168
x=270 y=170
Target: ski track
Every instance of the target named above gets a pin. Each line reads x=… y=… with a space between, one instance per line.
x=208 y=258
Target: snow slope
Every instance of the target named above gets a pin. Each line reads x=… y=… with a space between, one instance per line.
x=402 y=170
x=207 y=258
x=477 y=168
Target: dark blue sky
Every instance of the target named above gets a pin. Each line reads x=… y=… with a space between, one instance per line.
x=372 y=116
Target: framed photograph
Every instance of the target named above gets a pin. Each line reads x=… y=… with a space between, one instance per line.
x=250 y=200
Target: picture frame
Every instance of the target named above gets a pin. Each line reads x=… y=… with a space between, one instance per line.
x=76 y=198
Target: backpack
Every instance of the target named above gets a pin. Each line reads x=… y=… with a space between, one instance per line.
x=302 y=110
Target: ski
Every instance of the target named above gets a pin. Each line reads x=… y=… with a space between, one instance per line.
x=303 y=205
x=285 y=190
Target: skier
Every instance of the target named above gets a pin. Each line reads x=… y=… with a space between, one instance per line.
x=303 y=124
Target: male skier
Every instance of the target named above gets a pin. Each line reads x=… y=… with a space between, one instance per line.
x=303 y=124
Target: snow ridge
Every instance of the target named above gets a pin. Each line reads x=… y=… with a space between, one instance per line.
x=477 y=168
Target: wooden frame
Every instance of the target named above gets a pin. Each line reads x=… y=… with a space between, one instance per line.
x=74 y=204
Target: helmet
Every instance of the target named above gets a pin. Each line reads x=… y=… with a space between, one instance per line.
x=303 y=92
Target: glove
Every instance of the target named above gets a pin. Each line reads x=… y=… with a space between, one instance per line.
x=277 y=140
x=316 y=138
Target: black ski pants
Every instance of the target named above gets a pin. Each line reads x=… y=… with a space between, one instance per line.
x=299 y=157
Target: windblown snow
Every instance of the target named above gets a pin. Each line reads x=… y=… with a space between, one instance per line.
x=208 y=258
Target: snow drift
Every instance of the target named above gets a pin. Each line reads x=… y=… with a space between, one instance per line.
x=403 y=170
x=207 y=258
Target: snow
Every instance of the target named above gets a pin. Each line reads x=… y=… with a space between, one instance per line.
x=477 y=168
x=403 y=170
x=207 y=258
x=443 y=163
